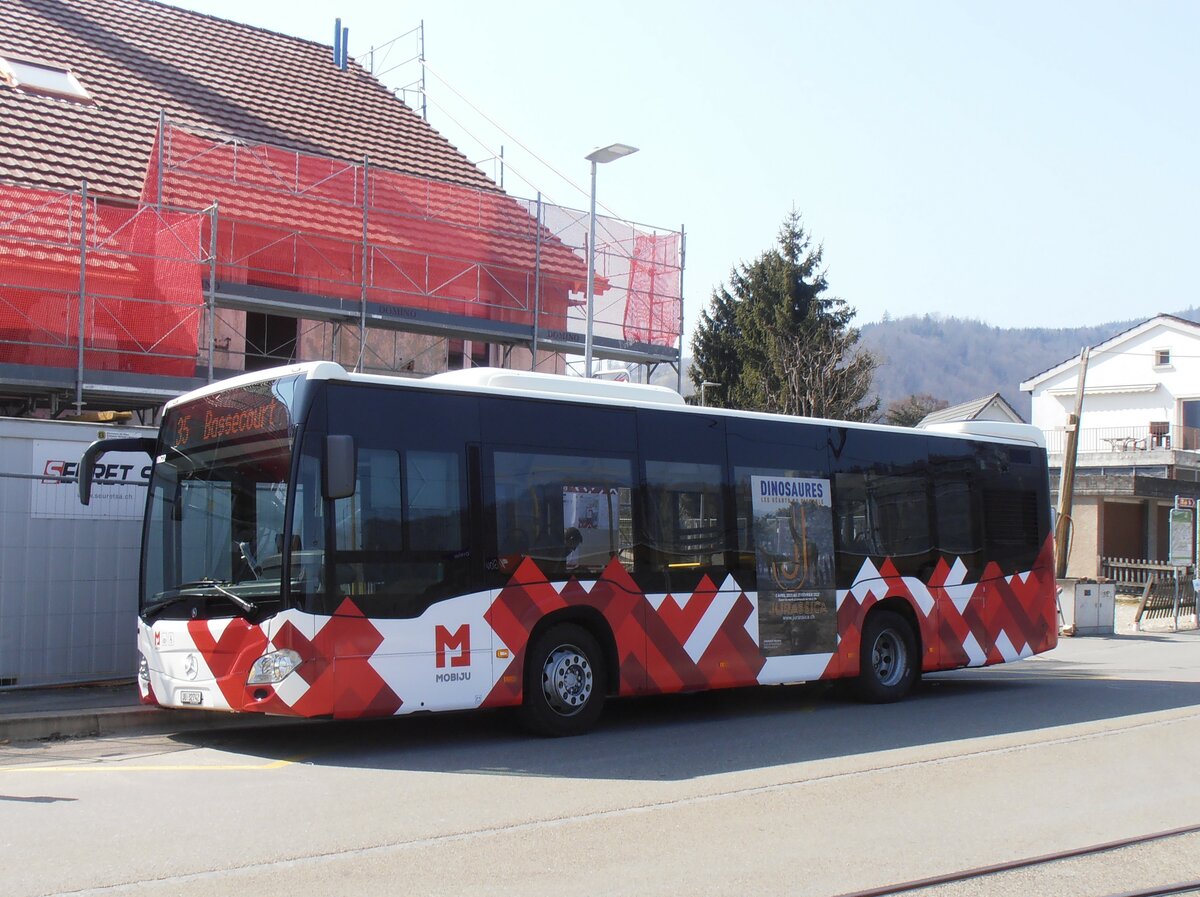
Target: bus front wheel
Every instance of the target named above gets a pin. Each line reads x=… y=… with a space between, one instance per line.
x=564 y=682
x=888 y=666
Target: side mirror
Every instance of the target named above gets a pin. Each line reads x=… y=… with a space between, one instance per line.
x=339 y=468
x=100 y=448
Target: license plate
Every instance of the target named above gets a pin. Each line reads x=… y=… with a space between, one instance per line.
x=191 y=697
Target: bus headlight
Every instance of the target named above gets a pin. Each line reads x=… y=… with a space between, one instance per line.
x=273 y=668
x=143 y=668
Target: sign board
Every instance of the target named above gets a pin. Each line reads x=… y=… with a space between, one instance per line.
x=53 y=498
x=1183 y=501
x=1180 y=552
x=793 y=539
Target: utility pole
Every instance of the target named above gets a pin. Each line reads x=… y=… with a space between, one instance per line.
x=1066 y=484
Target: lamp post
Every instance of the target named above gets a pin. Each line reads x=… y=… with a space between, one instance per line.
x=704 y=386
x=598 y=156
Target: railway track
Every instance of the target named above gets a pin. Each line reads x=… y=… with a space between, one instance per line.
x=1046 y=860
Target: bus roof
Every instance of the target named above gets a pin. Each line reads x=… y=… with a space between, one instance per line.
x=607 y=392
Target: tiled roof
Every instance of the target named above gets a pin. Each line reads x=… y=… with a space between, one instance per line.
x=137 y=57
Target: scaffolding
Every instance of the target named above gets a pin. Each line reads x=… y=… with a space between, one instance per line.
x=242 y=254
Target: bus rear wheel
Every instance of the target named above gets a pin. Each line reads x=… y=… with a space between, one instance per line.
x=888 y=664
x=564 y=682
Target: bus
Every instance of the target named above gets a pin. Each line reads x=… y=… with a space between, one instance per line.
x=319 y=543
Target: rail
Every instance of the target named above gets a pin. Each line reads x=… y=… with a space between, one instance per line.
x=1152 y=436
x=1132 y=574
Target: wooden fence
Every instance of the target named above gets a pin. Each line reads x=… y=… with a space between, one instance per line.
x=1155 y=583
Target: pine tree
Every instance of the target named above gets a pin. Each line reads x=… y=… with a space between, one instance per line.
x=776 y=342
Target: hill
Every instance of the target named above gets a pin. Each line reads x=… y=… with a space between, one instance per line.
x=958 y=359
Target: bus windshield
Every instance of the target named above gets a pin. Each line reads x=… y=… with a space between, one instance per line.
x=218 y=505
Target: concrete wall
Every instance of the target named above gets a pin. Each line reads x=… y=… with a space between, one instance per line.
x=1087 y=515
x=68 y=574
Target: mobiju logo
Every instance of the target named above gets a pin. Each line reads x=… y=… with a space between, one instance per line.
x=459 y=641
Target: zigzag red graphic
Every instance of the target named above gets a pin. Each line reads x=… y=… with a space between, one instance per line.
x=335 y=665
x=652 y=657
x=1020 y=610
x=357 y=690
x=315 y=669
x=241 y=643
x=681 y=621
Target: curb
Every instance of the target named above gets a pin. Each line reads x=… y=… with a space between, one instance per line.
x=19 y=727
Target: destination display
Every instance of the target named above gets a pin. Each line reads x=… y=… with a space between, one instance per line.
x=251 y=412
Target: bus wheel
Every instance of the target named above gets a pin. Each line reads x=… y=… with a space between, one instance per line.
x=888 y=664
x=564 y=682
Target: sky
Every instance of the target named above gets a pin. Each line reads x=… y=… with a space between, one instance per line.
x=1027 y=164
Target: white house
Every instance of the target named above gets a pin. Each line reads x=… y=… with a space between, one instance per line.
x=1139 y=438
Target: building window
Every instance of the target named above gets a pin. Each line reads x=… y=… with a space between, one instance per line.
x=1162 y=358
x=41 y=77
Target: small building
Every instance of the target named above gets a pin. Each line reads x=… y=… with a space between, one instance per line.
x=184 y=197
x=1139 y=439
x=992 y=407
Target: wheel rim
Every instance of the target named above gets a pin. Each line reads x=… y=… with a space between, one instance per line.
x=567 y=680
x=888 y=656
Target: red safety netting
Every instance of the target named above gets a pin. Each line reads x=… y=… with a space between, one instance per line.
x=305 y=224
x=141 y=283
x=299 y=222
x=653 y=306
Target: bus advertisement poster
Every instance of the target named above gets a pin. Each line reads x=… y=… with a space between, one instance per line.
x=793 y=537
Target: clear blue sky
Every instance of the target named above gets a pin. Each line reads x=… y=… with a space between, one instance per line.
x=1023 y=163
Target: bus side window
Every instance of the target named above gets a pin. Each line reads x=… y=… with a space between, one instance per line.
x=901 y=504
x=540 y=498
x=685 y=519
x=370 y=519
x=401 y=538
x=956 y=518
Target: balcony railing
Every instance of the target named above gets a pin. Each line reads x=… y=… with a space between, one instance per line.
x=1144 y=438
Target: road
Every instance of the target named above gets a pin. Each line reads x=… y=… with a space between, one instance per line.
x=767 y=791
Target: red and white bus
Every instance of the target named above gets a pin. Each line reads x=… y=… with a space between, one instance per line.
x=325 y=544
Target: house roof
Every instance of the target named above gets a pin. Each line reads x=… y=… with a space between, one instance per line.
x=972 y=410
x=1174 y=321
x=136 y=58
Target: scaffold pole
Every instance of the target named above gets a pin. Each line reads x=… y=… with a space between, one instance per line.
x=682 y=266
x=366 y=248
x=212 y=286
x=83 y=217
x=537 y=282
x=158 y=173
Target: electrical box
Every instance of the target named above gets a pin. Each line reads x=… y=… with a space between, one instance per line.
x=1087 y=607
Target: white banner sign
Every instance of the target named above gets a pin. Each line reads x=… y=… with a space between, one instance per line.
x=123 y=500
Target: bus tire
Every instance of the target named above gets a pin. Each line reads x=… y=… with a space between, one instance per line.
x=564 y=682
x=888 y=665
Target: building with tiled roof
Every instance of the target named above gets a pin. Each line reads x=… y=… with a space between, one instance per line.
x=226 y=197
x=135 y=59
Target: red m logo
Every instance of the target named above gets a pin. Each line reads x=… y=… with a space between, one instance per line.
x=460 y=641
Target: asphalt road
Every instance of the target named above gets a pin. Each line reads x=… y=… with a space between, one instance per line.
x=767 y=791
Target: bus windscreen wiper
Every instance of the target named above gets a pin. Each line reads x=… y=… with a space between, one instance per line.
x=152 y=609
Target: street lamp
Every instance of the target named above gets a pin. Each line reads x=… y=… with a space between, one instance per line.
x=703 y=386
x=599 y=156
